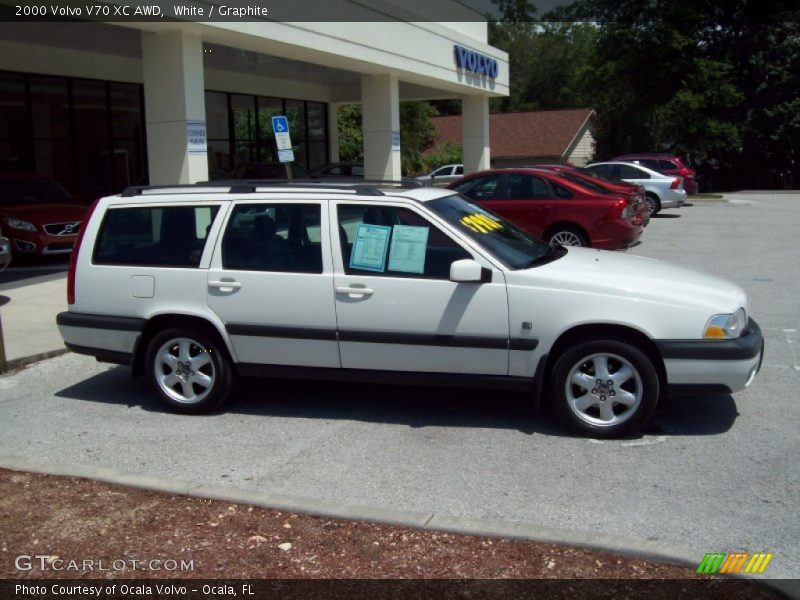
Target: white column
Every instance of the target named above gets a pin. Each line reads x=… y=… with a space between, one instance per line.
x=380 y=102
x=333 y=131
x=475 y=132
x=174 y=97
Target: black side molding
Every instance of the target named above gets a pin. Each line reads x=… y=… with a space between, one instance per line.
x=745 y=347
x=423 y=339
x=382 y=337
x=459 y=380
x=70 y=319
x=296 y=333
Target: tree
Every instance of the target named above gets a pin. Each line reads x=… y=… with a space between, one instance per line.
x=416 y=133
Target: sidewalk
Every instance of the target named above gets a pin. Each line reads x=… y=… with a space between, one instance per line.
x=28 y=315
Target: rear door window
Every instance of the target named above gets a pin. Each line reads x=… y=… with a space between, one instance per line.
x=521 y=187
x=273 y=237
x=163 y=236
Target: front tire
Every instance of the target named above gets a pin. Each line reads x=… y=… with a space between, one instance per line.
x=189 y=371
x=604 y=388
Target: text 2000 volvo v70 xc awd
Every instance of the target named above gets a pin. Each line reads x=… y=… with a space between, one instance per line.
x=195 y=285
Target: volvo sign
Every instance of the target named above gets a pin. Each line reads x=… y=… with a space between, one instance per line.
x=480 y=64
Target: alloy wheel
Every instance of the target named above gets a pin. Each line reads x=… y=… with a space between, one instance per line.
x=604 y=389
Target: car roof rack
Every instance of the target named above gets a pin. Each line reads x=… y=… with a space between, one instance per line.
x=364 y=187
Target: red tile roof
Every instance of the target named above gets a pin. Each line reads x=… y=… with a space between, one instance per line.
x=546 y=133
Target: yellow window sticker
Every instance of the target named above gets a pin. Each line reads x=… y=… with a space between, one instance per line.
x=480 y=223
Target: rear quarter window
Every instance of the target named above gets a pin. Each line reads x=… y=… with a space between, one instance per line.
x=667 y=165
x=163 y=236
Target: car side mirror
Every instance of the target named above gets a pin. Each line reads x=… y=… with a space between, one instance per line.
x=469 y=271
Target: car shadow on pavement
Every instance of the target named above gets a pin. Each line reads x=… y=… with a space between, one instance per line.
x=694 y=415
x=662 y=215
x=411 y=406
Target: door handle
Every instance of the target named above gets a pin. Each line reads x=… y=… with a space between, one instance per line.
x=223 y=285
x=361 y=291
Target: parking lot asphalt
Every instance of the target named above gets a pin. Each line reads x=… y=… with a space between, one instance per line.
x=715 y=473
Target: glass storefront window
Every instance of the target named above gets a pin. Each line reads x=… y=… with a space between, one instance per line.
x=296 y=114
x=86 y=135
x=217 y=116
x=50 y=107
x=219 y=159
x=317 y=154
x=316 y=121
x=126 y=111
x=250 y=126
x=90 y=109
x=268 y=108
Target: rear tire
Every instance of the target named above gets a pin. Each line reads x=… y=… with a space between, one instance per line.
x=604 y=388
x=567 y=236
x=653 y=202
x=189 y=371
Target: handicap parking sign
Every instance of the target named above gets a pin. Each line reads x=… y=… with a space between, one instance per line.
x=280 y=124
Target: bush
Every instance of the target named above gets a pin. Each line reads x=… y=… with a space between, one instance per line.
x=448 y=154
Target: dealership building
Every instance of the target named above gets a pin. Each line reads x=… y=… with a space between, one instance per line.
x=100 y=106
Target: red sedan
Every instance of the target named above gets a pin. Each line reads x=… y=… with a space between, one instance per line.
x=635 y=194
x=555 y=208
x=38 y=216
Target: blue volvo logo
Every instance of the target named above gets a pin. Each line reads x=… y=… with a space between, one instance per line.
x=480 y=64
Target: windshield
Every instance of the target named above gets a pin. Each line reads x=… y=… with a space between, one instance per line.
x=31 y=191
x=512 y=246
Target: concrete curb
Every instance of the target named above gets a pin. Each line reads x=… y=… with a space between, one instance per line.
x=694 y=199
x=24 y=361
x=652 y=550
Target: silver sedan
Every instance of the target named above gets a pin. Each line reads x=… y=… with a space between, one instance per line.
x=661 y=191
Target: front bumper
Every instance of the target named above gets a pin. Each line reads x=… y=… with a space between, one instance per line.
x=41 y=244
x=713 y=365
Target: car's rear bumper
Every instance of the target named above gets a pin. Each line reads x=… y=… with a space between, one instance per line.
x=615 y=235
x=108 y=338
x=713 y=365
x=673 y=199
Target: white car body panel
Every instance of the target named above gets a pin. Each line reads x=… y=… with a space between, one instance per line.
x=277 y=300
x=421 y=307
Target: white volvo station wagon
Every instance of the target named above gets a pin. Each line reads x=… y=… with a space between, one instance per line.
x=194 y=285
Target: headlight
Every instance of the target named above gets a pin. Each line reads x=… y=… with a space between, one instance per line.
x=726 y=327
x=20 y=225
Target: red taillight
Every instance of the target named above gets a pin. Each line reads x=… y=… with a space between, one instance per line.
x=684 y=172
x=622 y=210
x=675 y=184
x=73 y=258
